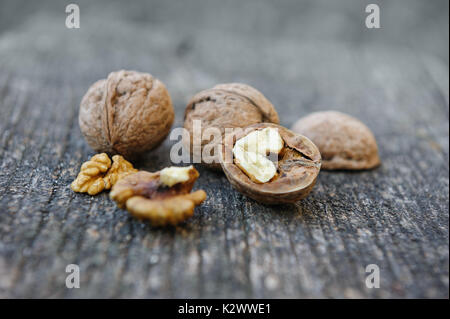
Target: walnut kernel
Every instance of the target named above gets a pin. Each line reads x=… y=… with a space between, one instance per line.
x=250 y=154
x=146 y=196
x=90 y=179
x=119 y=169
x=170 y=176
x=98 y=174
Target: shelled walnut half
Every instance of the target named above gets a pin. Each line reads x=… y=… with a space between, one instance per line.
x=98 y=174
x=270 y=163
x=163 y=197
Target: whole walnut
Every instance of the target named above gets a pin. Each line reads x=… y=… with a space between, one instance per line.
x=128 y=113
x=343 y=141
x=230 y=105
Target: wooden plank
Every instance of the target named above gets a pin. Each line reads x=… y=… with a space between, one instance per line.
x=304 y=57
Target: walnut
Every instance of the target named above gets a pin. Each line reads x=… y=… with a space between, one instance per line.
x=90 y=179
x=119 y=169
x=148 y=195
x=229 y=105
x=270 y=163
x=128 y=113
x=344 y=141
x=98 y=174
x=251 y=150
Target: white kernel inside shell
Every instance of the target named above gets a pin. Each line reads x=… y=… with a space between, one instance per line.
x=251 y=150
x=170 y=176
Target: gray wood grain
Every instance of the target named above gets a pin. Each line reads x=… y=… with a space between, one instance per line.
x=304 y=56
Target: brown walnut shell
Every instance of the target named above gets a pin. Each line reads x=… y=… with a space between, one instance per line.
x=344 y=141
x=224 y=106
x=297 y=170
x=128 y=113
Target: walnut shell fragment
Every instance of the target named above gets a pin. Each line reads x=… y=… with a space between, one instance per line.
x=98 y=174
x=128 y=113
x=145 y=196
x=224 y=106
x=297 y=167
x=344 y=141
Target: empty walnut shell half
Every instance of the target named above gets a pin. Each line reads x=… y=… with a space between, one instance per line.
x=298 y=165
x=344 y=141
x=128 y=113
x=145 y=196
x=224 y=106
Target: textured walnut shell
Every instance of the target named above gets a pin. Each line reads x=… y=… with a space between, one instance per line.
x=128 y=113
x=227 y=105
x=146 y=197
x=344 y=141
x=298 y=167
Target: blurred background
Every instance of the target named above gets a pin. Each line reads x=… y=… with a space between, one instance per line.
x=303 y=48
x=304 y=56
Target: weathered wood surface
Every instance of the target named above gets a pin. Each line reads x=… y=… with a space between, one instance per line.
x=304 y=56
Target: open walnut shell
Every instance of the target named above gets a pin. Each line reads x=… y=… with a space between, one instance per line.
x=297 y=168
x=145 y=196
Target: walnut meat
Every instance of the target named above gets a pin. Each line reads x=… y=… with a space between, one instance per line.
x=128 y=113
x=344 y=141
x=90 y=179
x=228 y=105
x=270 y=163
x=120 y=168
x=98 y=174
x=148 y=195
